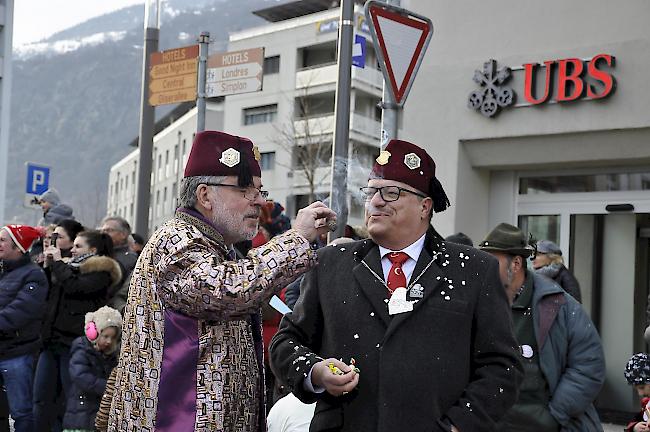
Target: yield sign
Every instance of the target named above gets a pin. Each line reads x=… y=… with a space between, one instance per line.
x=402 y=37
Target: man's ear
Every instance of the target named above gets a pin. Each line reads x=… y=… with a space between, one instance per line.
x=425 y=206
x=518 y=263
x=202 y=196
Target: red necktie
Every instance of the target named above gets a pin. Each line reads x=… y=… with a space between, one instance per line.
x=396 y=277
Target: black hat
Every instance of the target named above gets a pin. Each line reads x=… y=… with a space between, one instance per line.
x=508 y=239
x=637 y=369
x=460 y=238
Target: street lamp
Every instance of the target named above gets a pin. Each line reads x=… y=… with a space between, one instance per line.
x=147 y=119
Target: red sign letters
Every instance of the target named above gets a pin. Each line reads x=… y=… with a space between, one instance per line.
x=572 y=75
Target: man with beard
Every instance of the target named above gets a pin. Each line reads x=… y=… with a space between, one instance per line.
x=426 y=321
x=191 y=356
x=564 y=364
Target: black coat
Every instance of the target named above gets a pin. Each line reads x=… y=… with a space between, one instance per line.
x=89 y=370
x=81 y=290
x=23 y=288
x=452 y=359
x=566 y=280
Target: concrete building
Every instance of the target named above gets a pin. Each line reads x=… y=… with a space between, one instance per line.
x=574 y=168
x=292 y=118
x=171 y=146
x=6 y=32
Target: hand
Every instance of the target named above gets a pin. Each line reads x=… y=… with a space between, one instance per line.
x=336 y=385
x=312 y=220
x=641 y=427
x=52 y=254
x=454 y=429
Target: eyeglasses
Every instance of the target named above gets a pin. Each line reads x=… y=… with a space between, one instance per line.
x=388 y=193
x=250 y=193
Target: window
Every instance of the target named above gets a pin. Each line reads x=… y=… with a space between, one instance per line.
x=268 y=161
x=271 y=65
x=633 y=181
x=262 y=114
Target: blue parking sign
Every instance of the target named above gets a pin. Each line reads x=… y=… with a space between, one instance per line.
x=38 y=179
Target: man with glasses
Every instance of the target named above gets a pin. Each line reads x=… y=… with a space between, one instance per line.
x=404 y=331
x=191 y=356
x=119 y=231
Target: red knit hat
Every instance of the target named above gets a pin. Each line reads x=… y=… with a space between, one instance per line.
x=405 y=162
x=23 y=236
x=220 y=154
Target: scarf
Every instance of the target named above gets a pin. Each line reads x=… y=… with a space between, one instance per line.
x=77 y=261
x=550 y=270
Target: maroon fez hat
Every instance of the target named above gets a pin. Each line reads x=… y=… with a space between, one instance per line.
x=405 y=162
x=220 y=154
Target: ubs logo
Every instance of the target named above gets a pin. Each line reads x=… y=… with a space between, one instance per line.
x=492 y=94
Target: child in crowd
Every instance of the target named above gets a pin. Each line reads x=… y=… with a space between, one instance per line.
x=637 y=373
x=92 y=358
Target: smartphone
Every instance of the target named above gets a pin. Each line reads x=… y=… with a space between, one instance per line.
x=53 y=239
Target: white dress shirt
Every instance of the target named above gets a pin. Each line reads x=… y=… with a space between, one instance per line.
x=413 y=251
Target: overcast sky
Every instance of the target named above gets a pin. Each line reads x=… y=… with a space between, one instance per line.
x=38 y=19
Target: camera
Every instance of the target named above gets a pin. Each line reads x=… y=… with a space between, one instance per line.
x=53 y=239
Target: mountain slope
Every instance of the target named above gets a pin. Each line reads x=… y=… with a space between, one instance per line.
x=77 y=111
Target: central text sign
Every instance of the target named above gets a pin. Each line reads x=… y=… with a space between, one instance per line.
x=173 y=76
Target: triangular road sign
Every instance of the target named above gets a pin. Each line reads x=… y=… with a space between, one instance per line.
x=401 y=37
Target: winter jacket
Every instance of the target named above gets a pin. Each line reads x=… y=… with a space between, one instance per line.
x=571 y=356
x=560 y=274
x=452 y=359
x=82 y=290
x=56 y=214
x=23 y=288
x=101 y=420
x=89 y=370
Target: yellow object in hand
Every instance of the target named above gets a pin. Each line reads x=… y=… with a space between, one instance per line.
x=335 y=370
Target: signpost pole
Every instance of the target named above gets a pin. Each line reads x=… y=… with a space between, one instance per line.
x=204 y=42
x=389 y=108
x=145 y=144
x=338 y=189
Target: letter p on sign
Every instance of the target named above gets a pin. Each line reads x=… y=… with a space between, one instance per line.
x=38 y=179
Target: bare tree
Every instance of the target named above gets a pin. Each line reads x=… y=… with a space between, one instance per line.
x=307 y=138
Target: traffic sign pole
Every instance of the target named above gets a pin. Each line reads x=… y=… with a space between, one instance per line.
x=389 y=110
x=204 y=43
x=145 y=142
x=339 y=176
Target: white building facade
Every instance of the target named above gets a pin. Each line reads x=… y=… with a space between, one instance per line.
x=171 y=147
x=292 y=118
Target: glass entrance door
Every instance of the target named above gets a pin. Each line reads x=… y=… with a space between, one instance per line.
x=606 y=250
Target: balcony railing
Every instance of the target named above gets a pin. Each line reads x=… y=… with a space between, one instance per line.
x=327 y=74
x=323 y=125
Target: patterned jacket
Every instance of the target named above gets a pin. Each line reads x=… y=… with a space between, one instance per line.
x=191 y=350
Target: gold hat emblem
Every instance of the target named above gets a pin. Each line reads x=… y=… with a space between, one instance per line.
x=383 y=157
x=257 y=154
x=412 y=161
x=230 y=157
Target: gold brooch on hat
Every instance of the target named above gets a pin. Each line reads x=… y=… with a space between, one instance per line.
x=412 y=161
x=230 y=157
x=257 y=154
x=383 y=157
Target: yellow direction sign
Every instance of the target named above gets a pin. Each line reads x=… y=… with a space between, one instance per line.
x=173 y=75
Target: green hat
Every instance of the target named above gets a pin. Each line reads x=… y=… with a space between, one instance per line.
x=508 y=239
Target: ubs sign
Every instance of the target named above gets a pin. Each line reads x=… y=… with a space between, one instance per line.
x=564 y=80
